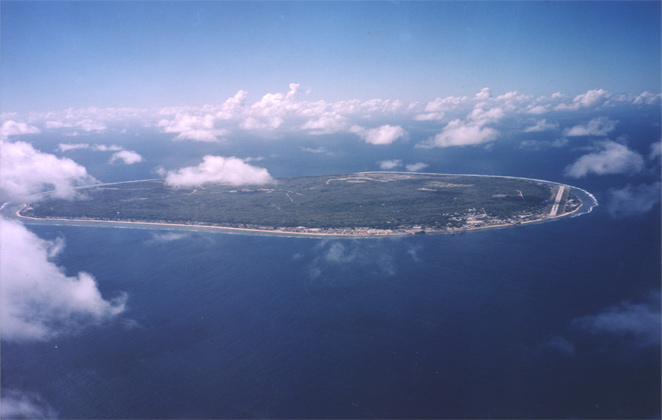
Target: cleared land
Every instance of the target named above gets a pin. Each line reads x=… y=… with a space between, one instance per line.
x=357 y=204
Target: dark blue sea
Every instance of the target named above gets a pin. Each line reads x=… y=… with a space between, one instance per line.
x=477 y=325
x=552 y=320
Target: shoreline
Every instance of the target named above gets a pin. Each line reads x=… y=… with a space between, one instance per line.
x=280 y=231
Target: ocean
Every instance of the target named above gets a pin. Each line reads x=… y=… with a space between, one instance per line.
x=480 y=325
x=551 y=320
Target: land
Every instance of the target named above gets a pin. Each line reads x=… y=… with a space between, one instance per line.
x=376 y=203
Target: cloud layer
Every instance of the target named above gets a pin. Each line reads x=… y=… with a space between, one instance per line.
x=39 y=301
x=458 y=121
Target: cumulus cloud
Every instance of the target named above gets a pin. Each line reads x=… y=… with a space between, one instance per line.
x=591 y=99
x=388 y=165
x=13 y=128
x=192 y=127
x=218 y=170
x=485 y=93
x=17 y=404
x=542 y=125
x=638 y=323
x=647 y=98
x=633 y=201
x=612 y=158
x=429 y=116
x=600 y=126
x=474 y=129
x=413 y=167
x=461 y=133
x=537 y=109
x=128 y=157
x=39 y=301
x=26 y=171
x=326 y=124
x=386 y=134
x=232 y=106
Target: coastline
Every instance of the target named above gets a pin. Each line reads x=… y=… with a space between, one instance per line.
x=274 y=232
x=378 y=233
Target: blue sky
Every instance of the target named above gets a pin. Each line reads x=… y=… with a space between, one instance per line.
x=150 y=54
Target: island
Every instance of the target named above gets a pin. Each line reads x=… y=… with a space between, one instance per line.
x=361 y=204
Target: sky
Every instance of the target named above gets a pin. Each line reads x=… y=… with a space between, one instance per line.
x=59 y=55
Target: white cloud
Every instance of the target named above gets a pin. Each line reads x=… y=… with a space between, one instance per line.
x=39 y=301
x=106 y=148
x=24 y=405
x=193 y=127
x=219 y=170
x=13 y=128
x=542 y=125
x=386 y=134
x=460 y=133
x=439 y=105
x=388 y=165
x=473 y=129
x=612 y=158
x=600 y=126
x=26 y=171
x=537 y=109
x=128 y=157
x=639 y=323
x=485 y=93
x=413 y=167
x=481 y=116
x=233 y=106
x=591 y=99
x=647 y=98
x=65 y=147
x=429 y=116
x=326 y=124
x=633 y=201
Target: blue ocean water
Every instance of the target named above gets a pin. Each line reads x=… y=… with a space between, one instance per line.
x=481 y=325
x=552 y=320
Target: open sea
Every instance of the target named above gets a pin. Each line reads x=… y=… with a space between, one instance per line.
x=504 y=323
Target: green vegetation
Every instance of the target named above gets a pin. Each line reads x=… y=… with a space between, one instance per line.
x=370 y=200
